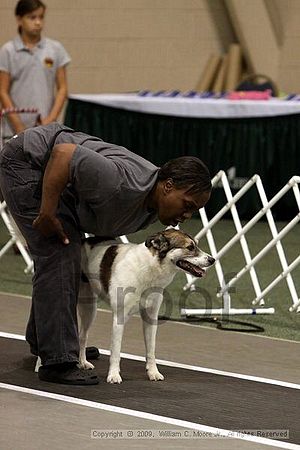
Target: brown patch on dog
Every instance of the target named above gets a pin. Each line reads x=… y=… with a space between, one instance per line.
x=180 y=239
x=162 y=242
x=106 y=266
x=158 y=244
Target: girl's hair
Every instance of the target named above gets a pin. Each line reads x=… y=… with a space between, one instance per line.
x=26 y=7
x=187 y=171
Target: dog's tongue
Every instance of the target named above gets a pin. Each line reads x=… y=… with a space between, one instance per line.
x=190 y=268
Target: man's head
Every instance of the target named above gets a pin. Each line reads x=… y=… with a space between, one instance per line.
x=30 y=17
x=183 y=187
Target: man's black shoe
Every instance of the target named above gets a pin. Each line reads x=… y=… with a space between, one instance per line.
x=67 y=373
x=92 y=353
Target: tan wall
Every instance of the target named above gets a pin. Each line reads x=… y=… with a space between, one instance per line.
x=289 y=70
x=126 y=45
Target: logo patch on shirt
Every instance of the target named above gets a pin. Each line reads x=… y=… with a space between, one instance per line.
x=48 y=62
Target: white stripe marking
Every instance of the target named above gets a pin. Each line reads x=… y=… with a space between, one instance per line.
x=18 y=337
x=143 y=415
x=186 y=366
x=208 y=370
x=11 y=294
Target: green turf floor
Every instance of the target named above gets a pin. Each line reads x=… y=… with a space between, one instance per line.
x=282 y=324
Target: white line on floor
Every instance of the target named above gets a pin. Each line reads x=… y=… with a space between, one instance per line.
x=18 y=337
x=219 y=432
x=186 y=366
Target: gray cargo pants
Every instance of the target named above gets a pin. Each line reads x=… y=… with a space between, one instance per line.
x=52 y=331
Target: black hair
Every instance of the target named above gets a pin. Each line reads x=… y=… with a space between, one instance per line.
x=24 y=7
x=187 y=171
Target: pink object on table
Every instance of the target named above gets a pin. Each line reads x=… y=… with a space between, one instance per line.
x=249 y=95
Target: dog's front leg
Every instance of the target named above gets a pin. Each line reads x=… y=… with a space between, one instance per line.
x=115 y=350
x=121 y=313
x=149 y=317
x=86 y=312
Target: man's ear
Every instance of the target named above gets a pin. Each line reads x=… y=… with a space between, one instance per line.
x=168 y=186
x=158 y=242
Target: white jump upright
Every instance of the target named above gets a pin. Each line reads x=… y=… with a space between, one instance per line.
x=14 y=239
x=11 y=228
x=225 y=287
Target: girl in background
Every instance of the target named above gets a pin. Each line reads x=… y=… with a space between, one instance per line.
x=32 y=71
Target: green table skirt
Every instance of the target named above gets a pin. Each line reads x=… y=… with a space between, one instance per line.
x=268 y=146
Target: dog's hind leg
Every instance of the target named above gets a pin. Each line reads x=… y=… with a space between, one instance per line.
x=86 y=312
x=150 y=319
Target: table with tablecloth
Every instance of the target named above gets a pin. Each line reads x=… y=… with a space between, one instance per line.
x=242 y=137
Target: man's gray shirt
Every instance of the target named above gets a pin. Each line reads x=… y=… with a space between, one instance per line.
x=111 y=183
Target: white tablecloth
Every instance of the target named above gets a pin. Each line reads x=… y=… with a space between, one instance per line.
x=194 y=107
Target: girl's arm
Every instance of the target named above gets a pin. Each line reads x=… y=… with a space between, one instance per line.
x=14 y=119
x=60 y=97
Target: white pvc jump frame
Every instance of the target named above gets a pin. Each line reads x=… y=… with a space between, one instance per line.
x=240 y=236
x=14 y=240
x=3 y=208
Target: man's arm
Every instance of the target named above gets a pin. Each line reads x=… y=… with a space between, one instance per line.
x=14 y=119
x=56 y=178
x=60 y=97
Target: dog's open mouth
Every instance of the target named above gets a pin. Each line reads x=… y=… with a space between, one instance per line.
x=190 y=268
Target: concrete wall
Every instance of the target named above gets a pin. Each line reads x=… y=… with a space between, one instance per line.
x=126 y=45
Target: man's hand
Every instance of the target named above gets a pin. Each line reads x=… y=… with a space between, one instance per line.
x=6 y=102
x=49 y=226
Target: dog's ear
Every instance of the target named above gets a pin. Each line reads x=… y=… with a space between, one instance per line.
x=159 y=242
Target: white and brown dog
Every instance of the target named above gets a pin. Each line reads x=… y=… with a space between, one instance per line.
x=133 y=277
